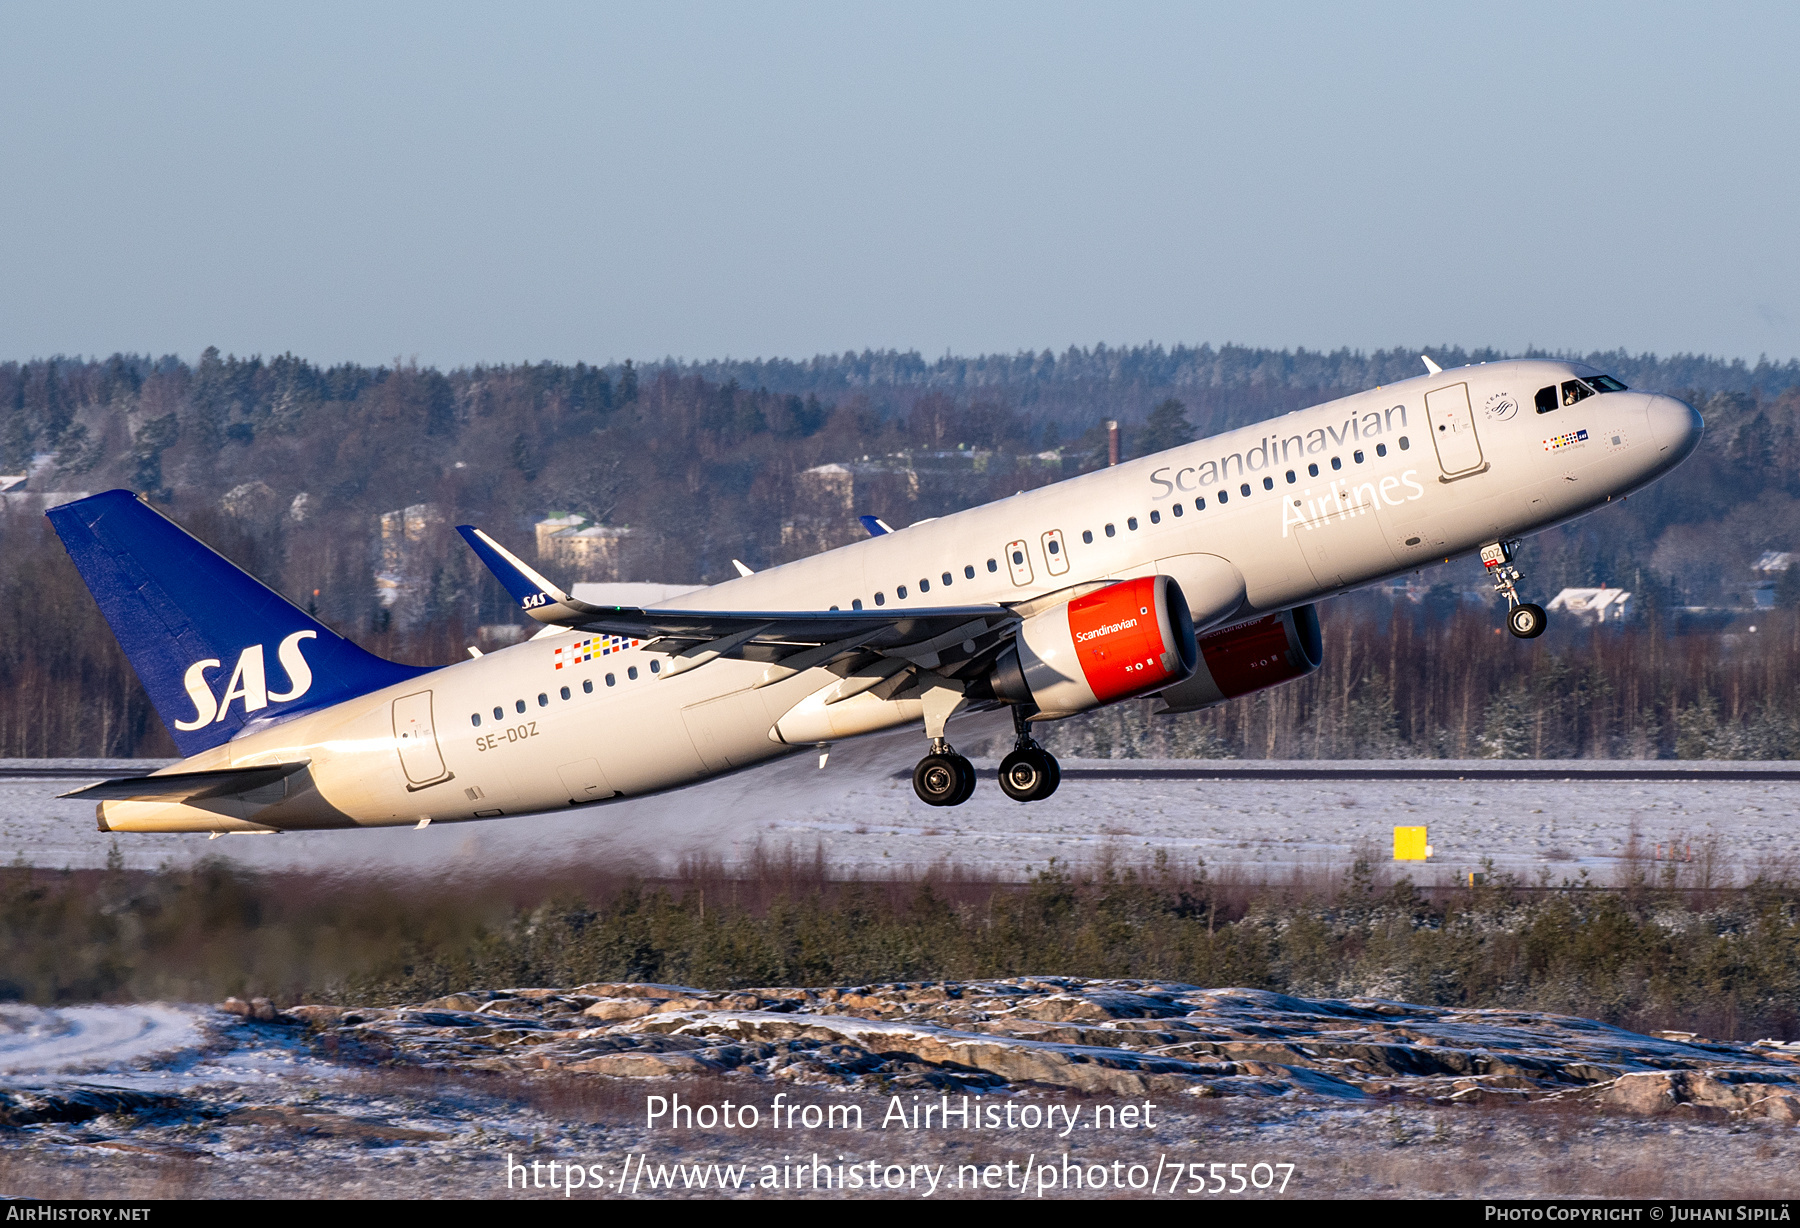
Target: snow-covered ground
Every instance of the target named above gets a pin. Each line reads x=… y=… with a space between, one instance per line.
x=862 y=813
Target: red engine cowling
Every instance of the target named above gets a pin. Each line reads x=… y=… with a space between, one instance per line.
x=1248 y=657
x=1129 y=638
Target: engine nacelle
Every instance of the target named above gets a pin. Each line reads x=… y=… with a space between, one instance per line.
x=1129 y=638
x=1248 y=657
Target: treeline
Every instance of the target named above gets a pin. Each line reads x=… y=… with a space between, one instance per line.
x=287 y=466
x=1398 y=683
x=1658 y=952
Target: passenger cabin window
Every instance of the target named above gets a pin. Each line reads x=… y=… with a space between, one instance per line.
x=969 y=573
x=566 y=693
x=1224 y=496
x=856 y=604
x=1268 y=483
x=499 y=714
x=880 y=599
x=1546 y=399
x=1177 y=509
x=1055 y=547
x=587 y=685
x=475 y=719
x=1312 y=471
x=611 y=681
x=993 y=565
x=1111 y=532
x=901 y=592
x=1405 y=443
x=924 y=586
x=1358 y=456
x=1087 y=537
x=1131 y=523
x=1291 y=478
x=632 y=674
x=543 y=700
x=518 y=705
x=1337 y=462
x=1574 y=390
x=1381 y=449
x=946 y=579
x=1155 y=517
x=1244 y=489
x=1200 y=504
x=656 y=667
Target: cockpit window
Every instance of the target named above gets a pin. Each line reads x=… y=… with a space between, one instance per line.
x=1574 y=390
x=1605 y=383
x=1546 y=399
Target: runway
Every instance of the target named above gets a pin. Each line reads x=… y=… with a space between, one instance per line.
x=1209 y=769
x=1544 y=821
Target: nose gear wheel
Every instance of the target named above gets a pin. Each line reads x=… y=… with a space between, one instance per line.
x=1526 y=621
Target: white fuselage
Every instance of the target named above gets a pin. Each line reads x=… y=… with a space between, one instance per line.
x=1401 y=481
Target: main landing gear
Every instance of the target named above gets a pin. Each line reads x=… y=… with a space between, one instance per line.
x=943 y=778
x=1029 y=774
x=1524 y=619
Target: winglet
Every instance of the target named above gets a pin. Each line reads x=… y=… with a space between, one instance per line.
x=535 y=595
x=875 y=525
x=1430 y=366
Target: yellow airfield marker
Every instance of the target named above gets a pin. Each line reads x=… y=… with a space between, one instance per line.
x=1409 y=844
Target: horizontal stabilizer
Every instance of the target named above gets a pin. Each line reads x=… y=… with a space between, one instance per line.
x=188 y=786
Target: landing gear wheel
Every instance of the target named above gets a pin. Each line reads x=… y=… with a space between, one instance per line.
x=1028 y=775
x=1526 y=621
x=944 y=779
x=966 y=773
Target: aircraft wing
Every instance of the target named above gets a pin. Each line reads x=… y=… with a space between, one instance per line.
x=791 y=637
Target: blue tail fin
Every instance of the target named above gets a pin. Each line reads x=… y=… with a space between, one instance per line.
x=215 y=647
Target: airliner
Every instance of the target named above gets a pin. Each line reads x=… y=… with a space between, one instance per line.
x=1192 y=575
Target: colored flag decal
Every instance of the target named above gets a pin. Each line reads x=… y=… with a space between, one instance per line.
x=1565 y=440
x=590 y=647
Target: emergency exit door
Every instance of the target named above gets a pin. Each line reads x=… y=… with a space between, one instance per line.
x=1453 y=431
x=416 y=740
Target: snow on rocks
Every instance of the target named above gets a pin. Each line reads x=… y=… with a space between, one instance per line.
x=1120 y=1037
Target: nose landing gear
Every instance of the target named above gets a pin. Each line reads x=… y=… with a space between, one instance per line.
x=1524 y=619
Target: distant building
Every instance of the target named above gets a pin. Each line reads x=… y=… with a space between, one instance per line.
x=1774 y=562
x=576 y=550
x=403 y=574
x=1599 y=604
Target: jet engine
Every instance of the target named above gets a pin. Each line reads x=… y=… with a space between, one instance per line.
x=1129 y=638
x=1248 y=657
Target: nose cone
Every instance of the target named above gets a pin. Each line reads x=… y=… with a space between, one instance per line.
x=1676 y=427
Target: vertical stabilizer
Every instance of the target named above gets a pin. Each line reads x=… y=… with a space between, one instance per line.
x=214 y=647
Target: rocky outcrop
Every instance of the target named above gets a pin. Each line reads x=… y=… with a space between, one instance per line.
x=1117 y=1037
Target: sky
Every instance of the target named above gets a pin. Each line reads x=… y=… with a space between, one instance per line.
x=460 y=184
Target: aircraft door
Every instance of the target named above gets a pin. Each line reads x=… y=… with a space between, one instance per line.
x=416 y=740
x=1452 y=424
x=1056 y=554
x=1018 y=559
